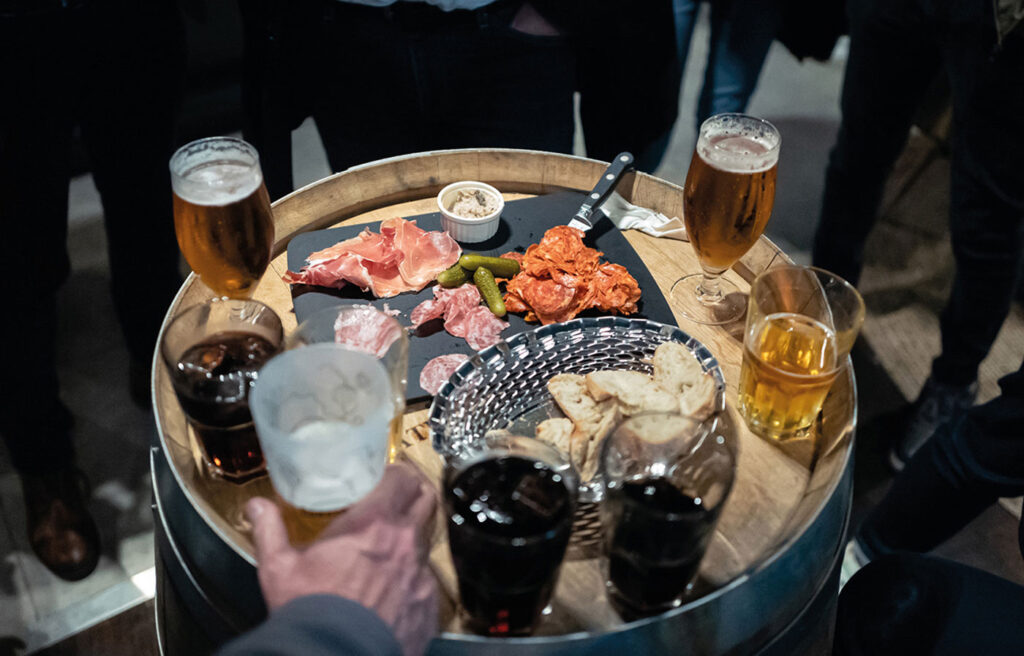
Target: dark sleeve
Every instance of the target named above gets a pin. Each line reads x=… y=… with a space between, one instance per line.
x=317 y=625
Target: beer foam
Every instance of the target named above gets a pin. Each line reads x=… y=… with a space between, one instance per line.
x=738 y=144
x=217 y=183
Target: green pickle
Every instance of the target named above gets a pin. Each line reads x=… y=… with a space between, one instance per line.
x=453 y=277
x=484 y=280
x=501 y=267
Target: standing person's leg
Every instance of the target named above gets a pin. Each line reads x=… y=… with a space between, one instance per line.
x=37 y=53
x=742 y=31
x=961 y=471
x=684 y=13
x=128 y=112
x=891 y=63
x=986 y=215
x=987 y=196
x=912 y=604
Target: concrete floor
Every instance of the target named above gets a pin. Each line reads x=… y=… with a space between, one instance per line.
x=113 y=436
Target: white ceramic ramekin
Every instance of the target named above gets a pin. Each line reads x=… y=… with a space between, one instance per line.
x=463 y=229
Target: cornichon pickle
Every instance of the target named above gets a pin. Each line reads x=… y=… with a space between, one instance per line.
x=484 y=280
x=453 y=277
x=501 y=267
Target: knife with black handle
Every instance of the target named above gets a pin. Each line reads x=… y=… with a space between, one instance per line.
x=622 y=164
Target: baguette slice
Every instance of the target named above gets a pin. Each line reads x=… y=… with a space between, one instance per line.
x=699 y=401
x=677 y=371
x=593 y=460
x=557 y=432
x=587 y=415
x=635 y=392
x=675 y=367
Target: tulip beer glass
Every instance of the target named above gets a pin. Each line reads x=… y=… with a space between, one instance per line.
x=801 y=324
x=222 y=214
x=727 y=200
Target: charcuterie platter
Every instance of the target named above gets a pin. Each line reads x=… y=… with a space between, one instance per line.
x=523 y=222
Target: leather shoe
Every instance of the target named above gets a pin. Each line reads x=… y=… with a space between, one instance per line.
x=61 y=531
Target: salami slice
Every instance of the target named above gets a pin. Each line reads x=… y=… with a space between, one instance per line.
x=437 y=372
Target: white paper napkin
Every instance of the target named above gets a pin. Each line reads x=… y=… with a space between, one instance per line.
x=627 y=216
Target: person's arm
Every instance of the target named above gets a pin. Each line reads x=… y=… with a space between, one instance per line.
x=318 y=624
x=363 y=587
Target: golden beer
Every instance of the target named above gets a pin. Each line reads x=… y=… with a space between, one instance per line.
x=728 y=197
x=222 y=214
x=789 y=364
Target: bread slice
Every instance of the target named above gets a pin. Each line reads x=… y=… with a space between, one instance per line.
x=587 y=415
x=557 y=432
x=699 y=401
x=675 y=367
x=592 y=462
x=634 y=391
x=678 y=371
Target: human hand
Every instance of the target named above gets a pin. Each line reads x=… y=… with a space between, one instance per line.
x=374 y=554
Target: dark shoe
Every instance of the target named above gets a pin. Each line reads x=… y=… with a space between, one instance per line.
x=61 y=531
x=139 y=384
x=936 y=405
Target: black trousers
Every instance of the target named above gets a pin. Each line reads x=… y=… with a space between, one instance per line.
x=965 y=468
x=113 y=69
x=386 y=81
x=912 y=604
x=897 y=47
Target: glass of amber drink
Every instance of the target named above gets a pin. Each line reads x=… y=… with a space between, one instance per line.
x=322 y=414
x=727 y=201
x=222 y=214
x=801 y=324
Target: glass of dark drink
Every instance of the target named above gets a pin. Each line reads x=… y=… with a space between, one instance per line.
x=214 y=352
x=666 y=479
x=510 y=504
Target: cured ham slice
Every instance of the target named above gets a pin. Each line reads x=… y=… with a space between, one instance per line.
x=401 y=258
x=463 y=315
x=366 y=329
x=437 y=372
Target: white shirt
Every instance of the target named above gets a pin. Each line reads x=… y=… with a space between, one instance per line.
x=446 y=5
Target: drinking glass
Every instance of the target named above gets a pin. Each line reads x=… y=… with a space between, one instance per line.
x=510 y=503
x=222 y=214
x=801 y=324
x=322 y=414
x=364 y=328
x=666 y=479
x=214 y=352
x=727 y=201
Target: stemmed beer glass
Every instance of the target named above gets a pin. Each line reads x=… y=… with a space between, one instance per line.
x=222 y=214
x=727 y=200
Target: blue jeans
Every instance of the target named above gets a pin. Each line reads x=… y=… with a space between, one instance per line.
x=741 y=33
x=897 y=47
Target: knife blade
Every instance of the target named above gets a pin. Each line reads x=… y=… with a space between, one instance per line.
x=622 y=164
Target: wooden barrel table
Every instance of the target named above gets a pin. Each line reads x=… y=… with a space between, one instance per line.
x=772 y=570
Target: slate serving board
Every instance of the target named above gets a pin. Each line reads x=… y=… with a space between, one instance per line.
x=523 y=222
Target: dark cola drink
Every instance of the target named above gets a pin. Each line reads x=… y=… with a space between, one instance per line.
x=509 y=520
x=212 y=381
x=655 y=538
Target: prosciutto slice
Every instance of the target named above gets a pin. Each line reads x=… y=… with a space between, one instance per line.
x=401 y=258
x=463 y=315
x=365 y=328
